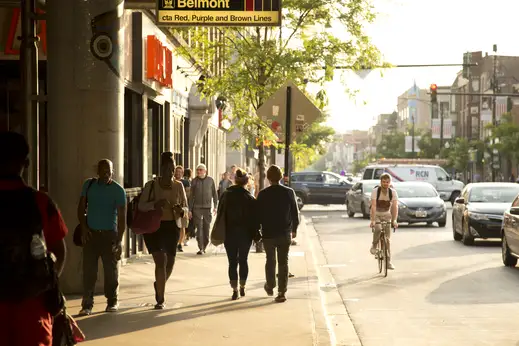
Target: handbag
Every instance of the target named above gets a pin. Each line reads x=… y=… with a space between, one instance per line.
x=78 y=231
x=65 y=331
x=145 y=222
x=218 y=231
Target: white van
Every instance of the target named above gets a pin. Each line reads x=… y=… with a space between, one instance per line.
x=448 y=188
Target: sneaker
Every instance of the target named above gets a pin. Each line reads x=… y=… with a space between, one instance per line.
x=186 y=243
x=160 y=306
x=270 y=291
x=112 y=307
x=179 y=248
x=234 y=295
x=390 y=266
x=85 y=312
x=281 y=298
x=200 y=252
x=242 y=291
x=373 y=250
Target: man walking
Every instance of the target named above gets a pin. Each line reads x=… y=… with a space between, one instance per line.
x=202 y=205
x=102 y=216
x=279 y=218
x=32 y=228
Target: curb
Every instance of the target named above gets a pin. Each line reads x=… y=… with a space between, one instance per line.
x=339 y=324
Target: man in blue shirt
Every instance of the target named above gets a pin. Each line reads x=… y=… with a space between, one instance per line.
x=102 y=216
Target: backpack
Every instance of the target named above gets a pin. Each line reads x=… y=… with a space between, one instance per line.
x=390 y=193
x=23 y=276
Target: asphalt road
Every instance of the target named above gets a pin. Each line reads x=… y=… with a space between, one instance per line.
x=441 y=293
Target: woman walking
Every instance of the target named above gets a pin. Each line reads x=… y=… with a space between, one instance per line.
x=238 y=208
x=168 y=194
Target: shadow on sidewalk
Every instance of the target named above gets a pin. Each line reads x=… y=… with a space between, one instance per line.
x=104 y=325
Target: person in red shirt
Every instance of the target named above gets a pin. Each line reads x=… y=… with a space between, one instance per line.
x=27 y=323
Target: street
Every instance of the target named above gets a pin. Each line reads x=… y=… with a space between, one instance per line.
x=441 y=293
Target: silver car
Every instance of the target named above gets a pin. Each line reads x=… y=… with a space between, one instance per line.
x=358 y=199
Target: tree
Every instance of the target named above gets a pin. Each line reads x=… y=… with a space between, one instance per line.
x=259 y=60
x=429 y=147
x=392 y=145
x=317 y=136
x=459 y=156
x=505 y=137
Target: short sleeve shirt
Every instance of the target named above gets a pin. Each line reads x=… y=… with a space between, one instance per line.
x=102 y=203
x=383 y=202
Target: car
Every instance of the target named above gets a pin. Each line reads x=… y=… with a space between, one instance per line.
x=358 y=198
x=448 y=188
x=510 y=234
x=478 y=212
x=420 y=202
x=320 y=187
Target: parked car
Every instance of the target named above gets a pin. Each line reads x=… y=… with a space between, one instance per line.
x=319 y=188
x=420 y=202
x=358 y=198
x=478 y=212
x=448 y=188
x=510 y=234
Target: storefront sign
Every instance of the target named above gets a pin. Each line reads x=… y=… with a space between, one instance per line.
x=15 y=31
x=159 y=63
x=219 y=12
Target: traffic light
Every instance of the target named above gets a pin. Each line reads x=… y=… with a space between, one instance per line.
x=467 y=60
x=434 y=90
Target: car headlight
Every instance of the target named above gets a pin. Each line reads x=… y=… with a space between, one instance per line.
x=478 y=216
x=402 y=205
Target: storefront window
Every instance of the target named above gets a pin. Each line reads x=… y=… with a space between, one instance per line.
x=155 y=138
x=132 y=139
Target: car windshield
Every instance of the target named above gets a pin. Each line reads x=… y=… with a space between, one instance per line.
x=416 y=191
x=493 y=194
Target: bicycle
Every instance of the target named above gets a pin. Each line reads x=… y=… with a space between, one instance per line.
x=382 y=254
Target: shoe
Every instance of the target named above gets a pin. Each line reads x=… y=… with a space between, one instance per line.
x=242 y=291
x=112 y=307
x=293 y=242
x=281 y=298
x=234 y=295
x=160 y=306
x=373 y=250
x=270 y=291
x=186 y=243
x=290 y=275
x=85 y=312
x=200 y=252
x=179 y=248
x=390 y=266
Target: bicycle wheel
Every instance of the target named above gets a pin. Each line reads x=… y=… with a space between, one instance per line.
x=386 y=256
x=380 y=256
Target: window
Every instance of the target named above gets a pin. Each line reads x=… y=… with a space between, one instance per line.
x=330 y=179
x=357 y=186
x=313 y=178
x=440 y=174
x=368 y=174
x=516 y=202
x=378 y=173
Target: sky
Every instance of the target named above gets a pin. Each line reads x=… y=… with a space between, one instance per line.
x=419 y=32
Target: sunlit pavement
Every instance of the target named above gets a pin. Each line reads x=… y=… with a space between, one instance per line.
x=441 y=293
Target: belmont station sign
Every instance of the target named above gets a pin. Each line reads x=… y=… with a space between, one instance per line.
x=219 y=12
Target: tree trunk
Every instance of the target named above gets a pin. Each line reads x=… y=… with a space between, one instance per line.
x=261 y=164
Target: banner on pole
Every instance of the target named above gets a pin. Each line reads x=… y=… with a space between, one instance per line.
x=409 y=144
x=435 y=128
x=447 y=128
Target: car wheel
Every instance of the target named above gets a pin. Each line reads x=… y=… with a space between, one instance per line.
x=429 y=223
x=350 y=213
x=442 y=223
x=508 y=259
x=454 y=195
x=300 y=201
x=364 y=214
x=466 y=238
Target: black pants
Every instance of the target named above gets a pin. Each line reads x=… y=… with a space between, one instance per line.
x=279 y=246
x=237 y=247
x=100 y=245
x=165 y=239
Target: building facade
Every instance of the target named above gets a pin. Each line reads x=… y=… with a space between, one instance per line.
x=413 y=106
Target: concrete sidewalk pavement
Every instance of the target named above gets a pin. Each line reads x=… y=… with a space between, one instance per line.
x=199 y=307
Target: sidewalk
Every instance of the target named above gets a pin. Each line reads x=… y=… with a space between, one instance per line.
x=199 y=309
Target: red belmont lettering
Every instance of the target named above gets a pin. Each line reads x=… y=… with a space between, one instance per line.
x=159 y=64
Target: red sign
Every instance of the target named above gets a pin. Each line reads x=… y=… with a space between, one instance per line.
x=159 y=64
x=13 y=34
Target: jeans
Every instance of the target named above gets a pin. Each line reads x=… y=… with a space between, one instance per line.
x=378 y=230
x=279 y=246
x=237 y=247
x=100 y=245
x=202 y=218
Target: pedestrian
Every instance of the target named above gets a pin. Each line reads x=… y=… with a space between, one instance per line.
x=224 y=184
x=279 y=219
x=102 y=217
x=32 y=229
x=232 y=175
x=238 y=208
x=202 y=205
x=191 y=229
x=179 y=176
x=167 y=194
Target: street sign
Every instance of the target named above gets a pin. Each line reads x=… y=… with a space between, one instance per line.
x=219 y=12
x=273 y=112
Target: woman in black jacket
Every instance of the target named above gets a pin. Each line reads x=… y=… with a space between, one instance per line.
x=238 y=207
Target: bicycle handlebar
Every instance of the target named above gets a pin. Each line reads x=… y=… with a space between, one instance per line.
x=383 y=223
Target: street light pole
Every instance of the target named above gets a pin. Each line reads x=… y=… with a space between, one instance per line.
x=494 y=87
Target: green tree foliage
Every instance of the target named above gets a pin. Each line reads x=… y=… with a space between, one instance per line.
x=259 y=60
x=459 y=156
x=505 y=136
x=392 y=145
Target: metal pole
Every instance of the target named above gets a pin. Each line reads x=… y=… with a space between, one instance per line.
x=30 y=88
x=441 y=130
x=494 y=87
x=412 y=138
x=288 y=136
